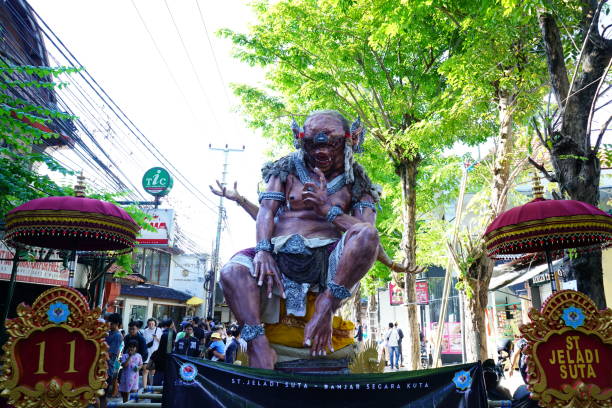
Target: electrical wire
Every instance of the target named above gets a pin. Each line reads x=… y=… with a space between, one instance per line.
x=193 y=68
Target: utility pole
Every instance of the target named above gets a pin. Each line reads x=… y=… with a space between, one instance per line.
x=215 y=258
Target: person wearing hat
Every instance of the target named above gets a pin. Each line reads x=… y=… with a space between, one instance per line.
x=217 y=347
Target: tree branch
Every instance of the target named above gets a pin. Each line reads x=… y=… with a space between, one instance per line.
x=602 y=131
x=549 y=177
x=592 y=110
x=592 y=24
x=555 y=58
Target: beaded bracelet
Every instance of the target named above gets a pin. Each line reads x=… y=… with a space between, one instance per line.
x=338 y=291
x=264 y=245
x=250 y=331
x=333 y=213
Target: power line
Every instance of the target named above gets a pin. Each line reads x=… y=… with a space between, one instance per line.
x=212 y=50
x=102 y=94
x=161 y=55
x=193 y=68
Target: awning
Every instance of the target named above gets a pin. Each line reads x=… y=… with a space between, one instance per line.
x=155 y=291
x=195 y=301
x=512 y=277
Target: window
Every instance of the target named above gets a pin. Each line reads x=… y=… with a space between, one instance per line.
x=163 y=312
x=154 y=265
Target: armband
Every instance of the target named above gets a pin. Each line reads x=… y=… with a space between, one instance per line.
x=338 y=291
x=364 y=204
x=249 y=332
x=264 y=245
x=333 y=213
x=272 y=195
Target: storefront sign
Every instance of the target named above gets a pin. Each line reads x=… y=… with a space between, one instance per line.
x=192 y=383
x=157 y=181
x=45 y=273
x=451 y=337
x=569 y=352
x=55 y=355
x=163 y=221
x=422 y=292
x=187 y=274
x=396 y=295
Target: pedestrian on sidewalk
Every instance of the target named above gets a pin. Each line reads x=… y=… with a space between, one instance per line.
x=152 y=335
x=393 y=344
x=399 y=344
x=359 y=336
x=131 y=363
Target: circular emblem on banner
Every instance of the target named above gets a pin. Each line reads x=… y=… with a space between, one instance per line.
x=157 y=181
x=58 y=312
x=573 y=317
x=462 y=380
x=188 y=372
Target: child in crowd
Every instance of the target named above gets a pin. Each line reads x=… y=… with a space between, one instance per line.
x=131 y=363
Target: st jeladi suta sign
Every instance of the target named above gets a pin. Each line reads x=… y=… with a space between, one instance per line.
x=569 y=352
x=55 y=355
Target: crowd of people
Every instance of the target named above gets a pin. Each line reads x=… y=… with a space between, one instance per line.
x=143 y=350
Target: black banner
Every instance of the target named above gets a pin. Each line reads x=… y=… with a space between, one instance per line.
x=192 y=382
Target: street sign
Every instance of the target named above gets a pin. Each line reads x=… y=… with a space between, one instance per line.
x=422 y=292
x=568 y=352
x=55 y=355
x=157 y=181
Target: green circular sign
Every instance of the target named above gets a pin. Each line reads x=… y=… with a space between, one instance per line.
x=157 y=181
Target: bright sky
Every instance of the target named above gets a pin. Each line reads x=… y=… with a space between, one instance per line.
x=181 y=107
x=110 y=40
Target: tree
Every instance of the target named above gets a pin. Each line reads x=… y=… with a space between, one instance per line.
x=498 y=72
x=376 y=59
x=23 y=126
x=567 y=132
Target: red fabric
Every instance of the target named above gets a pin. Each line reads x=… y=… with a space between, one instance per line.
x=540 y=209
x=88 y=205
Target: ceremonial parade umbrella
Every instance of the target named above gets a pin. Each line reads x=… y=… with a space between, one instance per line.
x=549 y=227
x=69 y=224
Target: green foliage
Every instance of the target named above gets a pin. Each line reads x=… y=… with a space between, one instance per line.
x=20 y=158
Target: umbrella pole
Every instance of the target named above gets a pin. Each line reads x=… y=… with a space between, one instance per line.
x=11 y=289
x=553 y=282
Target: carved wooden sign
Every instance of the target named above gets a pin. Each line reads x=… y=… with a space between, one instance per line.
x=569 y=352
x=56 y=354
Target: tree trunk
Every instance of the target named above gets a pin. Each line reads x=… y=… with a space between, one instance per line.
x=475 y=329
x=577 y=168
x=407 y=171
x=480 y=271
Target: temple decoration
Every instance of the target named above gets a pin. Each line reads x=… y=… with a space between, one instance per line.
x=55 y=355
x=569 y=352
x=72 y=223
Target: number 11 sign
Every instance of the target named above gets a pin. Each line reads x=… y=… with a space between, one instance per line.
x=56 y=354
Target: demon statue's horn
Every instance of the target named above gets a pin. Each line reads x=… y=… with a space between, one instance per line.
x=298 y=134
x=358 y=132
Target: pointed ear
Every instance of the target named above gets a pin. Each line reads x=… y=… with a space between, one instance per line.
x=297 y=131
x=358 y=132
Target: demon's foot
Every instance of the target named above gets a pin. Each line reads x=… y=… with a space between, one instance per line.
x=318 y=331
x=261 y=355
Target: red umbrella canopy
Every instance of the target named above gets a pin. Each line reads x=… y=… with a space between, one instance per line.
x=552 y=225
x=71 y=223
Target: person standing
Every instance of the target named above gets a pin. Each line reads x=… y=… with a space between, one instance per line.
x=399 y=343
x=131 y=363
x=152 y=335
x=133 y=334
x=188 y=345
x=166 y=343
x=359 y=335
x=233 y=344
x=217 y=347
x=114 y=339
x=393 y=344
